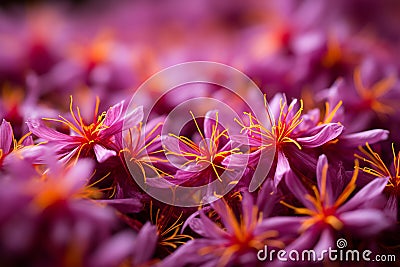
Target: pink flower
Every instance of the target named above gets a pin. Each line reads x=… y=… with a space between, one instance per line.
x=87 y=139
x=331 y=209
x=227 y=239
x=292 y=134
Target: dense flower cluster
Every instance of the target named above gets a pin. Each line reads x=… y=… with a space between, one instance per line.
x=328 y=69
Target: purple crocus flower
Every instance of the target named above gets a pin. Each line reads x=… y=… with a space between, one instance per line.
x=371 y=92
x=48 y=219
x=235 y=240
x=87 y=139
x=142 y=147
x=343 y=146
x=290 y=134
x=329 y=209
x=202 y=162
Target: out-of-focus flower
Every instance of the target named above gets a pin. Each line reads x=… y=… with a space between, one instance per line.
x=56 y=222
x=330 y=209
x=370 y=92
x=126 y=248
x=87 y=139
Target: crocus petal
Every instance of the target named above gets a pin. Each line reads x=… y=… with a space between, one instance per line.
x=282 y=167
x=226 y=214
x=113 y=114
x=325 y=241
x=366 y=194
x=102 y=153
x=298 y=190
x=321 y=135
x=133 y=117
x=114 y=251
x=285 y=225
x=237 y=160
x=391 y=207
x=323 y=163
x=359 y=139
x=365 y=221
x=48 y=134
x=115 y=121
x=28 y=141
x=188 y=254
x=207 y=228
x=159 y=182
x=245 y=140
x=124 y=205
x=247 y=208
x=75 y=177
x=305 y=241
x=6 y=136
x=267 y=198
x=148 y=236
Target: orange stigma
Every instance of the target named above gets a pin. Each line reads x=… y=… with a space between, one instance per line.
x=323 y=211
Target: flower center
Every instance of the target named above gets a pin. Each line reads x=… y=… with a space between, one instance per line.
x=281 y=132
x=322 y=210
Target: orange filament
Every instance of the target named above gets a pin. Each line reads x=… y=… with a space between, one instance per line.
x=281 y=132
x=168 y=233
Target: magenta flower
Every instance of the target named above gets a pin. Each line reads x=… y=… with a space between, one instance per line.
x=142 y=147
x=50 y=214
x=371 y=92
x=204 y=161
x=87 y=139
x=329 y=209
x=232 y=241
x=291 y=133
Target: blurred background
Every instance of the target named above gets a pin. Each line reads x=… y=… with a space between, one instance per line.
x=50 y=50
